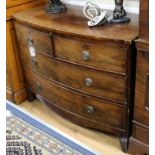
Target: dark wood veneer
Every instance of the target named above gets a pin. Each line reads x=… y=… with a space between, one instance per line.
x=15 y=87
x=99 y=55
x=139 y=141
x=141 y=114
x=42 y=41
x=74 y=77
x=104 y=112
x=95 y=92
x=73 y=23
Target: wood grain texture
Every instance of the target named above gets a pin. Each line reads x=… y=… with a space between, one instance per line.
x=74 y=23
x=74 y=77
x=39 y=40
x=15 y=85
x=141 y=132
x=13 y=68
x=20 y=6
x=141 y=112
x=100 y=57
x=104 y=112
x=12 y=3
x=144 y=19
x=112 y=85
x=139 y=141
x=138 y=148
x=9 y=91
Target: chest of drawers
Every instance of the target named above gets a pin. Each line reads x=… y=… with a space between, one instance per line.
x=85 y=74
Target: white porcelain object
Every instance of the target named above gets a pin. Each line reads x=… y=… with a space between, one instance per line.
x=94 y=14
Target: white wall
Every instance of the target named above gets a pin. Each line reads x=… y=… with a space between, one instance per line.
x=133 y=3
x=130 y=5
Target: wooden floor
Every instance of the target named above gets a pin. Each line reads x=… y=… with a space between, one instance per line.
x=103 y=143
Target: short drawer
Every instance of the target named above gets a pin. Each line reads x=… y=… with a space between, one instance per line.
x=91 y=108
x=32 y=38
x=86 y=80
x=101 y=56
x=141 y=133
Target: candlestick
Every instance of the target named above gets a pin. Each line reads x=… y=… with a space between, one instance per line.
x=119 y=14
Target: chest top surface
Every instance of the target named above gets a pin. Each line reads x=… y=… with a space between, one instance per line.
x=74 y=23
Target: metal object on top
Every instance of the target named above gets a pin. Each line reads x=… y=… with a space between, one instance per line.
x=98 y=16
x=95 y=15
x=90 y=109
x=55 y=6
x=88 y=81
x=85 y=55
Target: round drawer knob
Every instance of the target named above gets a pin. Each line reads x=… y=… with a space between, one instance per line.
x=30 y=39
x=90 y=109
x=38 y=87
x=34 y=62
x=85 y=55
x=51 y=34
x=30 y=42
x=88 y=81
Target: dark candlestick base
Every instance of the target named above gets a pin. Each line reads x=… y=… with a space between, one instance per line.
x=120 y=20
x=119 y=14
x=55 y=8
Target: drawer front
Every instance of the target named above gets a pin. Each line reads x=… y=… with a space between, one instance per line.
x=141 y=133
x=106 y=56
x=141 y=109
x=104 y=112
x=32 y=38
x=86 y=80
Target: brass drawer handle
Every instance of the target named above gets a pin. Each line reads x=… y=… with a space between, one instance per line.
x=90 y=109
x=85 y=55
x=30 y=39
x=34 y=62
x=88 y=81
x=30 y=42
x=38 y=87
x=51 y=34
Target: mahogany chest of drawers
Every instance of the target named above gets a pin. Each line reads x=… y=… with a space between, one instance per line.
x=85 y=74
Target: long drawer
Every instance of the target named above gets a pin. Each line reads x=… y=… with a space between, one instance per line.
x=86 y=80
x=107 y=56
x=91 y=108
